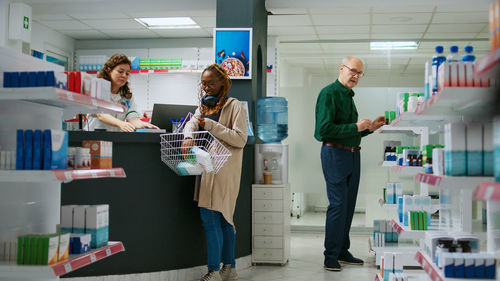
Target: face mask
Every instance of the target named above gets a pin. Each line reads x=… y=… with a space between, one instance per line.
x=209 y=101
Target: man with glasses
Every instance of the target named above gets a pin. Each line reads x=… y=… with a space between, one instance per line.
x=340 y=131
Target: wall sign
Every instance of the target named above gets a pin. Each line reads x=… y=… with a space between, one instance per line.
x=233 y=51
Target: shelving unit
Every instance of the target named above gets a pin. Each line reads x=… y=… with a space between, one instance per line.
x=31 y=199
x=450 y=182
x=158 y=71
x=456 y=101
x=388 y=164
x=60 y=98
x=11 y=270
x=59 y=175
x=405 y=250
x=406 y=170
x=490 y=192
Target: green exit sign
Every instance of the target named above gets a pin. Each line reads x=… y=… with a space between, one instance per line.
x=26 y=23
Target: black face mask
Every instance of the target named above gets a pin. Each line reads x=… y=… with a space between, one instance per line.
x=209 y=101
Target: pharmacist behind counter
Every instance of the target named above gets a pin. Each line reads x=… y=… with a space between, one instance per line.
x=117 y=70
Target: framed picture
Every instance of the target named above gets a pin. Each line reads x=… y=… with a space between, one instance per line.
x=233 y=51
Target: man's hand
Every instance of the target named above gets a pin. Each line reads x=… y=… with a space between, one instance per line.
x=377 y=123
x=364 y=124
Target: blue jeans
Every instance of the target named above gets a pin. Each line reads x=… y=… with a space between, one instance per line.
x=220 y=239
x=341 y=169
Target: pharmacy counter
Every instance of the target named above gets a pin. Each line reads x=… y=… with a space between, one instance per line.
x=152 y=210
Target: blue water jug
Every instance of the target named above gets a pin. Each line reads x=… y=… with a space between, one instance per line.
x=272 y=119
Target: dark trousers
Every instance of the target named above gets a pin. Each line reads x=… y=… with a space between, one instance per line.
x=341 y=171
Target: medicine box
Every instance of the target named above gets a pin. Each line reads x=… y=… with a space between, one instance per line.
x=28 y=149
x=79 y=219
x=459 y=267
x=496 y=149
x=474 y=149
x=97 y=224
x=37 y=150
x=80 y=243
x=488 y=148
x=19 y=150
x=388 y=264
x=455 y=149
x=59 y=149
x=63 y=246
x=443 y=76
x=101 y=153
x=67 y=218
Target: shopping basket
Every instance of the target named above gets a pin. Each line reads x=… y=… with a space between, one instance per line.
x=204 y=153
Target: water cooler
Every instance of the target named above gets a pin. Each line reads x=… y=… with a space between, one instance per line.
x=273 y=158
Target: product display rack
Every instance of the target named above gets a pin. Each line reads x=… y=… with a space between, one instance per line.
x=59 y=175
x=434 y=273
x=462 y=101
x=450 y=182
x=31 y=199
x=490 y=192
x=405 y=251
x=11 y=270
x=388 y=164
x=407 y=170
x=150 y=71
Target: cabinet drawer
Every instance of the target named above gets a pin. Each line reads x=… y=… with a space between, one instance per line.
x=267 y=242
x=268 y=254
x=268 y=217
x=268 y=229
x=268 y=193
x=268 y=205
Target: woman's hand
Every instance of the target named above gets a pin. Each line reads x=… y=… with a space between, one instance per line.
x=126 y=127
x=149 y=125
x=202 y=122
x=186 y=145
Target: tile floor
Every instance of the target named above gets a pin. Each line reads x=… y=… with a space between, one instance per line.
x=318 y=219
x=306 y=263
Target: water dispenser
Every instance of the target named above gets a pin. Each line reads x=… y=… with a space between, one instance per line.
x=271 y=158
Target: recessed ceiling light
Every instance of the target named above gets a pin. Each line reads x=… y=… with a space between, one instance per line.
x=168 y=23
x=394 y=45
x=400 y=19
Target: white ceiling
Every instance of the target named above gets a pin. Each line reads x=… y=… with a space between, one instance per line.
x=311 y=33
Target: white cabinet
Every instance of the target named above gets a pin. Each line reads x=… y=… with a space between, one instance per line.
x=270 y=223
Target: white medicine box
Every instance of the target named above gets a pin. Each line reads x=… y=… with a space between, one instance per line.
x=20 y=22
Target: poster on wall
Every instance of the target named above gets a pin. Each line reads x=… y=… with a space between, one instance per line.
x=233 y=51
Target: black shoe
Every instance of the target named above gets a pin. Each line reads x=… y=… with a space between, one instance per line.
x=332 y=265
x=348 y=258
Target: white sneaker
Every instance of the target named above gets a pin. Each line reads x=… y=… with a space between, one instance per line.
x=211 y=276
x=228 y=273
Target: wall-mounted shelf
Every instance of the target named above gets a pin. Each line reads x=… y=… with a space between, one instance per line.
x=433 y=122
x=62 y=99
x=406 y=170
x=58 y=175
x=160 y=71
x=44 y=272
x=450 y=182
x=453 y=101
x=388 y=164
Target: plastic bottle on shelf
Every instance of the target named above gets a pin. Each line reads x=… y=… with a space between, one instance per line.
x=413 y=102
x=437 y=60
x=469 y=56
x=421 y=98
x=453 y=56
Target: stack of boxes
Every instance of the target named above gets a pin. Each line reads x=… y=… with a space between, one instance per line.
x=393 y=191
x=35 y=79
x=390 y=264
x=459 y=74
x=37 y=150
x=416 y=209
x=160 y=63
x=101 y=153
x=383 y=233
x=92 y=220
x=468 y=149
x=37 y=249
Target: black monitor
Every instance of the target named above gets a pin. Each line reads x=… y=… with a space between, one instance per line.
x=163 y=112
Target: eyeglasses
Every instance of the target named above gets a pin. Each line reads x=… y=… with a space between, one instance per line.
x=209 y=85
x=354 y=72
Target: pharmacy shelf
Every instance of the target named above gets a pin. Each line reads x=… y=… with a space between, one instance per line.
x=489 y=65
x=59 y=175
x=149 y=71
x=450 y=182
x=453 y=101
x=434 y=273
x=389 y=129
x=405 y=251
x=390 y=206
x=488 y=191
x=388 y=164
x=433 y=122
x=405 y=233
x=406 y=170
x=42 y=272
x=378 y=277
x=61 y=98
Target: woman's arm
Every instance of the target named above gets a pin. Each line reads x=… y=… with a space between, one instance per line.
x=235 y=136
x=110 y=120
x=138 y=124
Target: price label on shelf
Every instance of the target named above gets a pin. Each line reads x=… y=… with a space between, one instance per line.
x=70 y=96
x=112 y=173
x=67 y=267
x=93 y=258
x=108 y=252
x=94 y=102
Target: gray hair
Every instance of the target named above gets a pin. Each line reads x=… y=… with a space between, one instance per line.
x=348 y=59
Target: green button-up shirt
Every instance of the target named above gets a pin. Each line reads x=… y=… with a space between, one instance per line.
x=336 y=116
